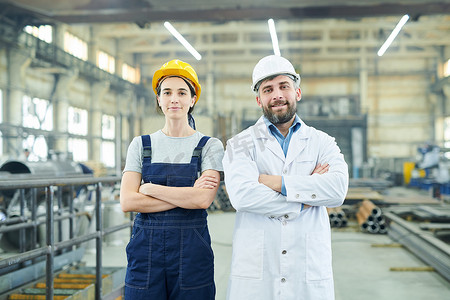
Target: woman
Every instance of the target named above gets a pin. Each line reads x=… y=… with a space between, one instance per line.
x=169 y=253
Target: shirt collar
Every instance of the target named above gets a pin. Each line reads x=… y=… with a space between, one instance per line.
x=272 y=128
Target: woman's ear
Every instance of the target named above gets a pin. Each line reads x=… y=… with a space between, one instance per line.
x=193 y=100
x=157 y=99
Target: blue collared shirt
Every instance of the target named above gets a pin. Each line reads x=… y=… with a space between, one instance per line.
x=283 y=141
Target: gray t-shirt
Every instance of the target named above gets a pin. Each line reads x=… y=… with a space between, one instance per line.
x=167 y=149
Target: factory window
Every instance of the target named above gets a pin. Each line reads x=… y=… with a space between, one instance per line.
x=43 y=32
x=75 y=46
x=1 y=121
x=77 y=121
x=447 y=135
x=108 y=127
x=108 y=150
x=131 y=74
x=107 y=155
x=447 y=68
x=106 y=62
x=37 y=113
x=78 y=148
x=37 y=147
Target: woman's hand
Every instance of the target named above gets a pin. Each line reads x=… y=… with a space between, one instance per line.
x=206 y=182
x=145 y=189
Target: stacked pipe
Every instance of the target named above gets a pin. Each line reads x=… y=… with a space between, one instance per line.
x=370 y=218
x=337 y=217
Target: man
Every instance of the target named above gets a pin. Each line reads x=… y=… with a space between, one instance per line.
x=280 y=175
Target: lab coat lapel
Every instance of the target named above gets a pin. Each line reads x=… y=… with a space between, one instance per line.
x=266 y=139
x=298 y=142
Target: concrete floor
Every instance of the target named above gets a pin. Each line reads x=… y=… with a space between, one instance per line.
x=361 y=271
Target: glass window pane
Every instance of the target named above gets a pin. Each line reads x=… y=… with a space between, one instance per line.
x=108 y=127
x=78 y=148
x=107 y=154
x=78 y=121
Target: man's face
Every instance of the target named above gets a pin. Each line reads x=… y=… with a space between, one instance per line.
x=278 y=99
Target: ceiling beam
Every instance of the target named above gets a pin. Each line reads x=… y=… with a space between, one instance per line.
x=146 y=14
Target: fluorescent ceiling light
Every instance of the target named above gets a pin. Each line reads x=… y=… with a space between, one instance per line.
x=394 y=33
x=273 y=35
x=182 y=40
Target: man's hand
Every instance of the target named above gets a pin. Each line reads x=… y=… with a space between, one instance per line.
x=206 y=182
x=271 y=181
x=321 y=169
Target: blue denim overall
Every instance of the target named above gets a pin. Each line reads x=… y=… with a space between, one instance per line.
x=169 y=253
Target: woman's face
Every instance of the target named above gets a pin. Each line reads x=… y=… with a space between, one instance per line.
x=175 y=98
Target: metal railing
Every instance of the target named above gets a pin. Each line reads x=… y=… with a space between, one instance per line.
x=52 y=187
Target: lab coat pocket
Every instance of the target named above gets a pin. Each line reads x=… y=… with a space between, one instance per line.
x=248 y=250
x=318 y=257
x=304 y=165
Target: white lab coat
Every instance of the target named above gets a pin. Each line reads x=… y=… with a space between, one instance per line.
x=279 y=251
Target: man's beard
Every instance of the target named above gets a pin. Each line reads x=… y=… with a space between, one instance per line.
x=280 y=118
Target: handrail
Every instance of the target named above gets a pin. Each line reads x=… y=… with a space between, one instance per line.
x=31 y=182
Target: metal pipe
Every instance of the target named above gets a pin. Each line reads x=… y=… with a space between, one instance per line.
x=8 y=184
x=374 y=210
x=33 y=217
x=50 y=244
x=98 y=227
x=383 y=229
x=71 y=210
x=431 y=250
x=113 y=229
x=373 y=228
x=361 y=221
x=76 y=241
x=16 y=259
x=22 y=214
x=60 y=205
x=36 y=223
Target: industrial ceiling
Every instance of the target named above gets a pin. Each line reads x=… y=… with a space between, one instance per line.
x=141 y=11
x=236 y=30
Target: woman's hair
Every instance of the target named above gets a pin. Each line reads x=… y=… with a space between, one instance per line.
x=189 y=84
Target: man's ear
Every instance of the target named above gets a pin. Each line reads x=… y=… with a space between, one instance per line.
x=299 y=94
x=258 y=100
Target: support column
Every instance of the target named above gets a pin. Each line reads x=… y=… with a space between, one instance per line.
x=98 y=91
x=122 y=141
x=357 y=135
x=17 y=62
x=210 y=94
x=60 y=101
x=363 y=81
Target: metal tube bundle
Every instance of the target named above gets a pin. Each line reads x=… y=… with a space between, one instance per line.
x=370 y=218
x=337 y=217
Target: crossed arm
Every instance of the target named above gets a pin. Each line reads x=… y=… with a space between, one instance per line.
x=274 y=181
x=149 y=197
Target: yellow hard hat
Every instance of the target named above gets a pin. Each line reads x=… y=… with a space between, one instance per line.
x=177 y=67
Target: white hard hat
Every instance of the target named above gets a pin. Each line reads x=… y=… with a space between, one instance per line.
x=272 y=65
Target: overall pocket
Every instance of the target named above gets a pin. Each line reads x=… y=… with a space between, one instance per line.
x=139 y=258
x=197 y=259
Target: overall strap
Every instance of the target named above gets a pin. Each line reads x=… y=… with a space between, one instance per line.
x=197 y=154
x=146 y=152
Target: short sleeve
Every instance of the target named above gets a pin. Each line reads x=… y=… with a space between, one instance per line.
x=212 y=155
x=134 y=156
